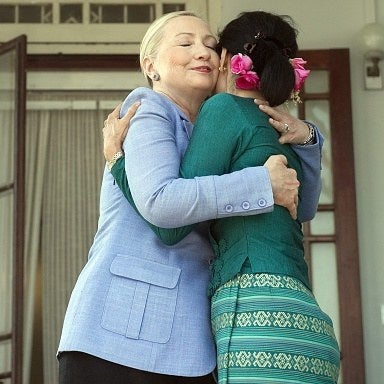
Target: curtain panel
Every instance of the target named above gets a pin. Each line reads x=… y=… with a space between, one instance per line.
x=64 y=170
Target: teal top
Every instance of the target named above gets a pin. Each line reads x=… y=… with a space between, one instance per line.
x=231 y=134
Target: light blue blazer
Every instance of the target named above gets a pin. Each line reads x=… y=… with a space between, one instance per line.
x=138 y=302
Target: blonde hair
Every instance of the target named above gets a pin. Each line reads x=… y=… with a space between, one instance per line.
x=152 y=38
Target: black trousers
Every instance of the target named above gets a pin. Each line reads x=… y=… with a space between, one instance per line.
x=81 y=368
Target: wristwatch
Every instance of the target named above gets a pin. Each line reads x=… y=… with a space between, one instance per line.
x=115 y=157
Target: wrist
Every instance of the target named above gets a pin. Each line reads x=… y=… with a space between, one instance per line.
x=115 y=157
x=311 y=135
x=110 y=149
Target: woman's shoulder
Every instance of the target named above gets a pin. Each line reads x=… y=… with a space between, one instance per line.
x=219 y=106
x=229 y=106
x=220 y=98
x=143 y=93
x=150 y=101
x=228 y=100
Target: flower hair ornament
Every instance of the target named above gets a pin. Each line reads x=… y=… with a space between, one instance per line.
x=241 y=65
x=300 y=75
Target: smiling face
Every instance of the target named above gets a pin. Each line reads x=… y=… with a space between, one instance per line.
x=186 y=59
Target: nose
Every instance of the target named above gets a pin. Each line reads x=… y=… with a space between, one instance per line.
x=203 y=52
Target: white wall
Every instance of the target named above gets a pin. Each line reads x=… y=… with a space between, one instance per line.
x=334 y=24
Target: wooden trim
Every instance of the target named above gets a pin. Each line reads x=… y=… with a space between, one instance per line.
x=5 y=337
x=18 y=45
x=6 y=188
x=336 y=62
x=5 y=375
x=20 y=153
x=346 y=217
x=62 y=62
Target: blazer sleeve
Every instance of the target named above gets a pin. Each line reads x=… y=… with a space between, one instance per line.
x=310 y=158
x=168 y=236
x=152 y=162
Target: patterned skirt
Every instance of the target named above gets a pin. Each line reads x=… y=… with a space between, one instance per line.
x=270 y=329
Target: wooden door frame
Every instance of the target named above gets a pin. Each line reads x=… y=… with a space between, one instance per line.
x=17 y=186
x=336 y=61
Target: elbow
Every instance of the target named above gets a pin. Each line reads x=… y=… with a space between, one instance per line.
x=159 y=219
x=169 y=241
x=304 y=218
x=154 y=213
x=168 y=237
x=307 y=213
x=161 y=214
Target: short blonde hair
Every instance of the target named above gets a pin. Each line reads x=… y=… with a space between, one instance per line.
x=152 y=38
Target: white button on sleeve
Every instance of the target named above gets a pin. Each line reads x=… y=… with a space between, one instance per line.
x=262 y=202
x=229 y=208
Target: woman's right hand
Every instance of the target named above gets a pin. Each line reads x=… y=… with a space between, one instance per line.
x=284 y=183
x=116 y=129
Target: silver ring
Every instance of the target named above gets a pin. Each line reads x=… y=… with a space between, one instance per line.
x=286 y=127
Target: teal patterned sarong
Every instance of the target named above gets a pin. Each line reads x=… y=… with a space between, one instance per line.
x=270 y=329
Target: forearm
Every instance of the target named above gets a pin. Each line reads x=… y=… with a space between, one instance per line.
x=181 y=202
x=168 y=201
x=167 y=236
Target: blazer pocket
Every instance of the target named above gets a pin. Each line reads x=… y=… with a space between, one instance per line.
x=141 y=299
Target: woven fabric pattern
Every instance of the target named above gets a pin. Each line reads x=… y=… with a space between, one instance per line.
x=270 y=329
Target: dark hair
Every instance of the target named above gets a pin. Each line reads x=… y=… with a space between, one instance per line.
x=270 y=41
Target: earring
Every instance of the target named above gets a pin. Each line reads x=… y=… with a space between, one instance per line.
x=222 y=69
x=155 y=77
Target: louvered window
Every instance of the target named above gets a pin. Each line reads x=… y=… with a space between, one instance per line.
x=88 y=26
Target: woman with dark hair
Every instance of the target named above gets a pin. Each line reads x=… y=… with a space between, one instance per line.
x=267 y=325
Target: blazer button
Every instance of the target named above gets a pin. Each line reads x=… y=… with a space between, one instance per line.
x=229 y=208
x=262 y=203
x=245 y=205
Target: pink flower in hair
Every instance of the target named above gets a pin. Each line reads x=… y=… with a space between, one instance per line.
x=241 y=65
x=300 y=72
x=249 y=80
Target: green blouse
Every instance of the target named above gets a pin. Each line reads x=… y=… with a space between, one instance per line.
x=230 y=134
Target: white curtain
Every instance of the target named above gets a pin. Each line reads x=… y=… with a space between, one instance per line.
x=37 y=133
x=74 y=169
x=65 y=165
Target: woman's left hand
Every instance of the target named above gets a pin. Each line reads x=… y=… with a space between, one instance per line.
x=291 y=129
x=116 y=129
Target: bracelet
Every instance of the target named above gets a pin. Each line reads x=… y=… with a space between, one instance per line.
x=311 y=136
x=115 y=157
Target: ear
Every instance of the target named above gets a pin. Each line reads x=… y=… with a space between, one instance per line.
x=148 y=67
x=224 y=61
